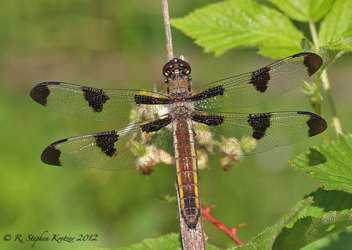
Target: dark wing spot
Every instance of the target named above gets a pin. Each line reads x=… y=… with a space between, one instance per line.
x=95 y=98
x=51 y=155
x=214 y=91
x=41 y=92
x=316 y=124
x=260 y=79
x=259 y=123
x=209 y=120
x=156 y=125
x=145 y=99
x=106 y=142
x=312 y=62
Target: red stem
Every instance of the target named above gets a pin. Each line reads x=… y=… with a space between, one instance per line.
x=231 y=232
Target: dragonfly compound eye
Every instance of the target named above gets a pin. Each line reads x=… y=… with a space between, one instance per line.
x=176 y=64
x=186 y=69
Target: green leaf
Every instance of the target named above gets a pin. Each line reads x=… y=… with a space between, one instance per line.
x=334 y=50
x=329 y=56
x=340 y=241
x=343 y=43
x=170 y=241
x=307 y=222
x=329 y=214
x=307 y=46
x=238 y=23
x=167 y=242
x=304 y=10
x=325 y=201
x=337 y=24
x=330 y=163
x=266 y=239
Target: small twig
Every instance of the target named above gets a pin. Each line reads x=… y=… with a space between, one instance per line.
x=170 y=54
x=231 y=232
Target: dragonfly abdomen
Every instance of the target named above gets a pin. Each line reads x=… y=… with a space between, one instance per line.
x=186 y=166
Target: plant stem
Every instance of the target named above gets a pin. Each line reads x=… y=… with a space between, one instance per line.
x=231 y=232
x=167 y=27
x=323 y=76
x=313 y=31
x=335 y=118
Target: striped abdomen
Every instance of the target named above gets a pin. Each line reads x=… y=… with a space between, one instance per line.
x=185 y=160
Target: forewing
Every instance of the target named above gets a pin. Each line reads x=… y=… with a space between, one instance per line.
x=98 y=104
x=259 y=86
x=242 y=134
x=124 y=148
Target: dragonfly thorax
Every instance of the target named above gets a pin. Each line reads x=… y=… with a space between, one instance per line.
x=179 y=89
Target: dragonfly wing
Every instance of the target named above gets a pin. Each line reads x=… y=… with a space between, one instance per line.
x=124 y=148
x=243 y=134
x=98 y=104
x=259 y=86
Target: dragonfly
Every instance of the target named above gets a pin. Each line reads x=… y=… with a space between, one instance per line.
x=183 y=115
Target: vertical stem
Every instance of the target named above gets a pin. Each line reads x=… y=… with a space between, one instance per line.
x=313 y=31
x=335 y=118
x=323 y=77
x=165 y=6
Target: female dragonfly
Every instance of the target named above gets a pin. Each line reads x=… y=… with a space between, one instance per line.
x=183 y=115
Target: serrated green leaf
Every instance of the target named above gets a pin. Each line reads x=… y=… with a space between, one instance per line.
x=239 y=23
x=340 y=241
x=307 y=46
x=329 y=56
x=266 y=239
x=329 y=214
x=310 y=229
x=334 y=50
x=337 y=24
x=330 y=163
x=343 y=43
x=326 y=201
x=307 y=222
x=167 y=242
x=304 y=10
x=170 y=241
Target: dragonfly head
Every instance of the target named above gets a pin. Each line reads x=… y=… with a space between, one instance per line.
x=176 y=69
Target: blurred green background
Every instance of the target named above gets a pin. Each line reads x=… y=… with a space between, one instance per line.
x=121 y=44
